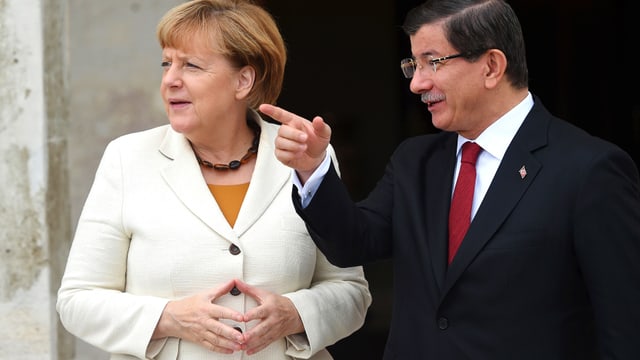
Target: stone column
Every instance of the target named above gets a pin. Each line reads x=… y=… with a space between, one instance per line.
x=34 y=200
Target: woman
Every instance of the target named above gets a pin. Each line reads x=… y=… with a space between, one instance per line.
x=188 y=246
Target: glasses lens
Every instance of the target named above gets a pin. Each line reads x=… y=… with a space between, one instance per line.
x=408 y=67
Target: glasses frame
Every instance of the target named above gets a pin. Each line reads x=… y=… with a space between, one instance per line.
x=412 y=63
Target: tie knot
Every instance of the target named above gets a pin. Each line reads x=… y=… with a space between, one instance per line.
x=470 y=151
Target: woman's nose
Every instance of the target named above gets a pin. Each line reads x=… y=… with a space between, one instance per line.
x=171 y=76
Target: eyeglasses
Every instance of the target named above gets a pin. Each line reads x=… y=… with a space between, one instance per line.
x=409 y=65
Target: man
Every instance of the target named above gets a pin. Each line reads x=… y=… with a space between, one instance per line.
x=549 y=267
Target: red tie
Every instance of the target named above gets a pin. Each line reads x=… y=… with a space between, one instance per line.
x=460 y=213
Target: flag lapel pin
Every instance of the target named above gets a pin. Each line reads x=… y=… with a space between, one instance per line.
x=522 y=172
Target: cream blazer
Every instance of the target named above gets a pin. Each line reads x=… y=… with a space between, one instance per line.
x=150 y=231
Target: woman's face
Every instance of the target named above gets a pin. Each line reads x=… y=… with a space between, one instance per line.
x=199 y=87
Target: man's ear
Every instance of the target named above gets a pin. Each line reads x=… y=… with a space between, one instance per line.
x=495 y=66
x=246 y=79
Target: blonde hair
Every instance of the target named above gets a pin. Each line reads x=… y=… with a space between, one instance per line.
x=243 y=32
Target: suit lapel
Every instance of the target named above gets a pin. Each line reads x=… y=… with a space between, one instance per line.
x=438 y=197
x=505 y=191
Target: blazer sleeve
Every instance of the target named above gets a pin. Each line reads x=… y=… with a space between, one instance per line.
x=91 y=293
x=332 y=308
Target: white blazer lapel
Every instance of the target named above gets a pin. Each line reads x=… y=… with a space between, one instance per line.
x=268 y=179
x=184 y=177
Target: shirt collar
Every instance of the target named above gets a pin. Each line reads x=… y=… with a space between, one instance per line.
x=496 y=138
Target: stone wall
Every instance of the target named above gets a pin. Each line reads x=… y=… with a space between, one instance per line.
x=34 y=201
x=74 y=74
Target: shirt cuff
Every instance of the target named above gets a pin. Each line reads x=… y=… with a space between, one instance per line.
x=308 y=190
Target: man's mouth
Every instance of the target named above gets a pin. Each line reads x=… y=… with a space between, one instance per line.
x=431 y=99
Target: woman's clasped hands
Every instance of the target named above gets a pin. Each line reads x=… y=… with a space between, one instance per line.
x=198 y=319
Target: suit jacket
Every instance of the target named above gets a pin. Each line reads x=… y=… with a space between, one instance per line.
x=549 y=269
x=150 y=231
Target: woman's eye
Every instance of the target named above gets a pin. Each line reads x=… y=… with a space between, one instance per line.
x=167 y=64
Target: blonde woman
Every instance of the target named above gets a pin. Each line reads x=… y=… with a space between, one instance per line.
x=188 y=246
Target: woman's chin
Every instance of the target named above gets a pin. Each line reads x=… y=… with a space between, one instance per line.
x=180 y=126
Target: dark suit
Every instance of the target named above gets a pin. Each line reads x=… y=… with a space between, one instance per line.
x=549 y=269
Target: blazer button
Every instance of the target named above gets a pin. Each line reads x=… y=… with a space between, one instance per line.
x=234 y=250
x=443 y=323
x=234 y=291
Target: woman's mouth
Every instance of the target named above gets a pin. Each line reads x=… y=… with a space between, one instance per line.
x=178 y=103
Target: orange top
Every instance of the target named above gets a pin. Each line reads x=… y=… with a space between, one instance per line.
x=229 y=198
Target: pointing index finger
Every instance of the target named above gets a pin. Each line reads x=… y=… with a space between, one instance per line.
x=277 y=113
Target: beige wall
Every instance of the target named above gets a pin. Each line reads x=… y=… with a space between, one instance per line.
x=114 y=79
x=74 y=74
x=34 y=201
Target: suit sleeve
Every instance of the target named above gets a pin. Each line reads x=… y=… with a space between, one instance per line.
x=351 y=233
x=607 y=241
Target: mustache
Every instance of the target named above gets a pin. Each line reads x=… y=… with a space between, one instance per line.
x=429 y=98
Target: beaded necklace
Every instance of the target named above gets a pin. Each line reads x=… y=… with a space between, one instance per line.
x=235 y=164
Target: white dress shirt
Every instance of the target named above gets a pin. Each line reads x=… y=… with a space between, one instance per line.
x=494 y=142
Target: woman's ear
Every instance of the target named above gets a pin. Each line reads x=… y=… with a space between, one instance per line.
x=246 y=79
x=496 y=65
